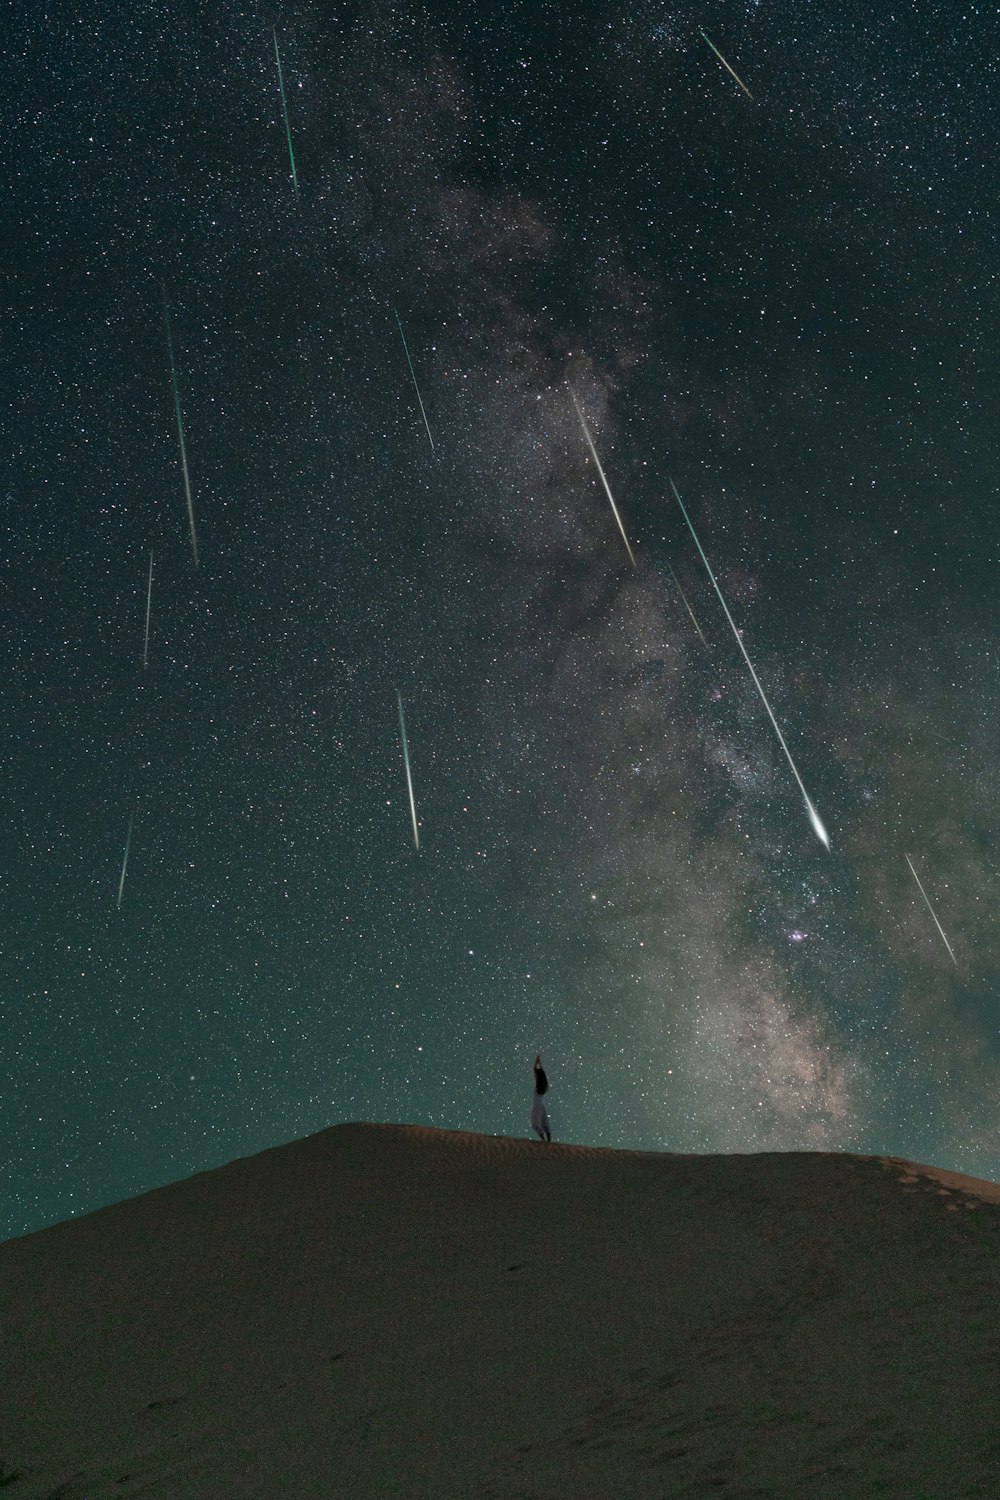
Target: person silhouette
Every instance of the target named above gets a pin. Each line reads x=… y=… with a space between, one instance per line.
x=539 y=1114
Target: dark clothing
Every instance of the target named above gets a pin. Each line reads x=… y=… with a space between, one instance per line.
x=539 y=1114
x=540 y=1118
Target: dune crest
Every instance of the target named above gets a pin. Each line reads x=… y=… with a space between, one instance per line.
x=395 y=1309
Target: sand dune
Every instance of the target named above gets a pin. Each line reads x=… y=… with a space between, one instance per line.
x=384 y=1310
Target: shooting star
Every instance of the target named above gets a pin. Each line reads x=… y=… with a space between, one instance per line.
x=128 y=840
x=597 y=461
x=930 y=908
x=284 y=111
x=731 y=71
x=413 y=375
x=814 y=819
x=149 y=600
x=409 y=778
x=687 y=605
x=180 y=428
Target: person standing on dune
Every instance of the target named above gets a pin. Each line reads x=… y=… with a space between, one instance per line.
x=539 y=1114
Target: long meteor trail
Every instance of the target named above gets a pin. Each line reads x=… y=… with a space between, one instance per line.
x=180 y=429
x=128 y=840
x=814 y=819
x=413 y=376
x=149 y=600
x=930 y=908
x=687 y=606
x=731 y=71
x=409 y=778
x=597 y=461
x=284 y=111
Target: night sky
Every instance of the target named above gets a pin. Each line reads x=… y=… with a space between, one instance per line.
x=787 y=304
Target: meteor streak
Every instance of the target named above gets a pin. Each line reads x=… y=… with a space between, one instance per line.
x=128 y=840
x=284 y=111
x=597 y=461
x=686 y=604
x=409 y=778
x=149 y=600
x=413 y=375
x=180 y=429
x=728 y=69
x=817 y=826
x=930 y=908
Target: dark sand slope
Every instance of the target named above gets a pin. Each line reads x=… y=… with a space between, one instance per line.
x=383 y=1310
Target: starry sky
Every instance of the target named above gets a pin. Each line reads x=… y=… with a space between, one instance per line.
x=784 y=298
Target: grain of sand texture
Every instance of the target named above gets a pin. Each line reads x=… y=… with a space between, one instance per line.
x=384 y=1310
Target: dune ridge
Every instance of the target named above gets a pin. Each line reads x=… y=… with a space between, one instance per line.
x=397 y=1310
